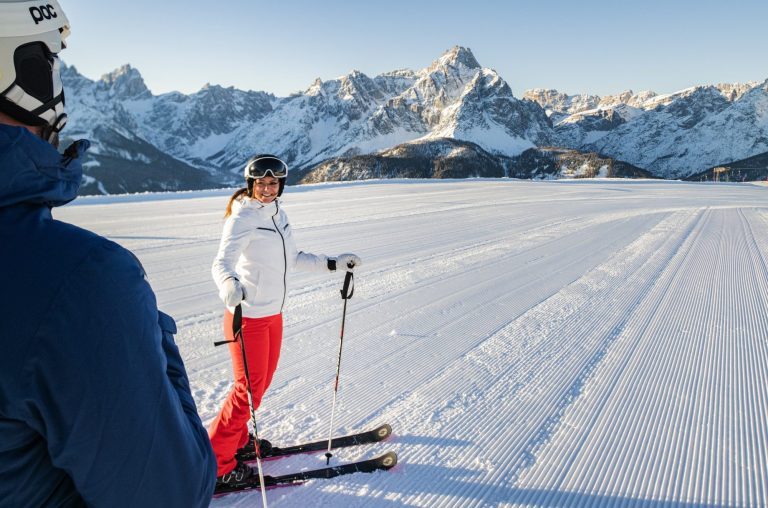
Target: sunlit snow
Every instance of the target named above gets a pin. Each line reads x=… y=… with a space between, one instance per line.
x=555 y=343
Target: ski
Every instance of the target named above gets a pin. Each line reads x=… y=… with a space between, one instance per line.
x=372 y=436
x=382 y=462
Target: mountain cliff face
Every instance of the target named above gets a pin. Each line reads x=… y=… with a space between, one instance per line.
x=178 y=141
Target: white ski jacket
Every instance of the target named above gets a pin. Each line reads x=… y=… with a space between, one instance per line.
x=258 y=249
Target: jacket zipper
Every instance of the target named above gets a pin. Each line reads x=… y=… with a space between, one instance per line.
x=285 y=257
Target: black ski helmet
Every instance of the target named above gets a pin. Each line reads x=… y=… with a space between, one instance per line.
x=263 y=164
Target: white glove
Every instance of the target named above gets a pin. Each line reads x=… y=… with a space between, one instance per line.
x=232 y=292
x=348 y=262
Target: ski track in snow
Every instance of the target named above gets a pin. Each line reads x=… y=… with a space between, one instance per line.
x=585 y=343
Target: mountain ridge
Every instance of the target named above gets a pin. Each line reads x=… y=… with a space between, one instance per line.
x=208 y=134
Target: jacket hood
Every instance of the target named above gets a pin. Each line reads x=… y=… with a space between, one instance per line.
x=33 y=172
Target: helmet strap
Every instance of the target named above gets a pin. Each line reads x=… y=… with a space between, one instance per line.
x=50 y=133
x=18 y=113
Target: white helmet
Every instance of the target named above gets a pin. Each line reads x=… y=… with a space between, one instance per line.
x=32 y=34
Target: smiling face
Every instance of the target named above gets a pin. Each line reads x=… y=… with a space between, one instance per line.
x=265 y=189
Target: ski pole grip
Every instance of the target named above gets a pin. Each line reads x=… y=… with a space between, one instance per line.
x=349 y=287
x=237 y=321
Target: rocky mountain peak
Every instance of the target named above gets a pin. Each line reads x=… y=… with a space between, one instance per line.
x=356 y=80
x=362 y=84
x=316 y=88
x=488 y=83
x=457 y=57
x=125 y=83
x=734 y=91
x=559 y=104
x=614 y=100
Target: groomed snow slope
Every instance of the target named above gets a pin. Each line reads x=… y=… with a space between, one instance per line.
x=573 y=343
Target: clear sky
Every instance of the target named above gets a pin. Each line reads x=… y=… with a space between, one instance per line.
x=588 y=46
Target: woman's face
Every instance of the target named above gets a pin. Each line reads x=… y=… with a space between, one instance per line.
x=265 y=189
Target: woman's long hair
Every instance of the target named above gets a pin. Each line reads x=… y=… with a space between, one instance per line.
x=238 y=195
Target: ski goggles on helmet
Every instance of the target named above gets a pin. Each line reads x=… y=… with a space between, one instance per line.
x=260 y=166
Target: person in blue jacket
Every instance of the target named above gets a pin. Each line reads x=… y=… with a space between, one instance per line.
x=95 y=404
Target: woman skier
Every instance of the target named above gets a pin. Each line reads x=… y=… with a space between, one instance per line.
x=256 y=255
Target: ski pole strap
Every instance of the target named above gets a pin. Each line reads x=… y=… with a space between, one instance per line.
x=349 y=287
x=237 y=327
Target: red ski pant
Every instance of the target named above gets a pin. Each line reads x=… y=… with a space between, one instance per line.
x=229 y=430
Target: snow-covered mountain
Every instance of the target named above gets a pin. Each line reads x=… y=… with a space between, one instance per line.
x=180 y=141
x=354 y=114
x=675 y=135
x=146 y=142
x=216 y=129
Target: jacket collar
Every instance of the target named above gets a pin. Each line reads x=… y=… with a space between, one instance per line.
x=255 y=204
x=33 y=172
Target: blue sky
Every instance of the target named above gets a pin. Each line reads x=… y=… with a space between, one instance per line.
x=281 y=46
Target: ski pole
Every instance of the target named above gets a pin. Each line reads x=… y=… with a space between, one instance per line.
x=346 y=293
x=237 y=332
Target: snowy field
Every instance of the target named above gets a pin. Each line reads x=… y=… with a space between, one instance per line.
x=569 y=343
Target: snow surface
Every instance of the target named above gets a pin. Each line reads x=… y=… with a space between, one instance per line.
x=566 y=343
